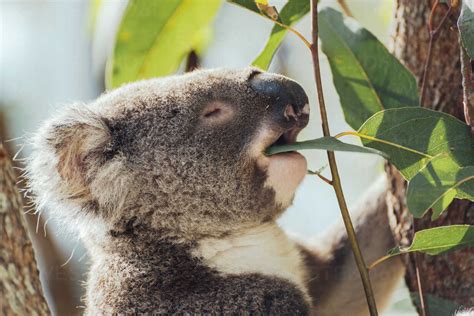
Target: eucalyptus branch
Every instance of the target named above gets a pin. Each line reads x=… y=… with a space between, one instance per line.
x=434 y=33
x=292 y=30
x=317 y=173
x=336 y=181
x=345 y=8
x=417 y=257
x=467 y=69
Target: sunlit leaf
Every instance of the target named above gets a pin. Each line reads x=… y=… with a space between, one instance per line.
x=323 y=143
x=155 y=36
x=412 y=136
x=367 y=77
x=466 y=26
x=247 y=4
x=437 y=184
x=439 y=240
x=291 y=13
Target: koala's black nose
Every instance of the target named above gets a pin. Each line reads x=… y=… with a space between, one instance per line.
x=287 y=99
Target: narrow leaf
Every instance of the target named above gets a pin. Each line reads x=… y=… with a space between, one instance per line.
x=412 y=136
x=323 y=143
x=247 y=4
x=439 y=240
x=466 y=26
x=291 y=13
x=155 y=36
x=437 y=184
x=367 y=77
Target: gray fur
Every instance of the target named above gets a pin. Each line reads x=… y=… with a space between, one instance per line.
x=143 y=178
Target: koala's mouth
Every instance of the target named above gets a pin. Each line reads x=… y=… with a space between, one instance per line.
x=286 y=138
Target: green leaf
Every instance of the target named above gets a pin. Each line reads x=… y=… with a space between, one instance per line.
x=437 y=184
x=436 y=305
x=466 y=26
x=247 y=4
x=412 y=136
x=155 y=36
x=323 y=143
x=291 y=13
x=367 y=77
x=439 y=240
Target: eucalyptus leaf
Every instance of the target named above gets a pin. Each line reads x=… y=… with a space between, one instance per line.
x=323 y=143
x=247 y=4
x=291 y=13
x=439 y=240
x=367 y=77
x=437 y=184
x=155 y=36
x=412 y=136
x=466 y=26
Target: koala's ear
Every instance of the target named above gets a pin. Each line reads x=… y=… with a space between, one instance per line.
x=81 y=142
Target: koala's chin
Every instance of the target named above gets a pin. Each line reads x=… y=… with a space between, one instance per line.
x=285 y=173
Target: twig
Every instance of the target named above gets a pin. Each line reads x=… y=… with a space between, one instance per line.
x=345 y=8
x=467 y=69
x=316 y=173
x=289 y=28
x=423 y=306
x=336 y=181
x=434 y=33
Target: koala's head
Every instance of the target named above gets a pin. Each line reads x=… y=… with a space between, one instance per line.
x=183 y=156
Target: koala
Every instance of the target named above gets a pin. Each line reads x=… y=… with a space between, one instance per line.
x=167 y=183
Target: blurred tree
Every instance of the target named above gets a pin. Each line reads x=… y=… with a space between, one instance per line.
x=20 y=287
x=449 y=276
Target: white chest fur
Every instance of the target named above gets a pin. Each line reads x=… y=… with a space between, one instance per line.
x=265 y=249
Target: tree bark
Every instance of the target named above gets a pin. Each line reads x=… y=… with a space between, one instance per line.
x=20 y=287
x=449 y=276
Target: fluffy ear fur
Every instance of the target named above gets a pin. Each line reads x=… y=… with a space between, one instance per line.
x=81 y=143
x=67 y=162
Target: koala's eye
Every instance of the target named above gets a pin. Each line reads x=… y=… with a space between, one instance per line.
x=217 y=112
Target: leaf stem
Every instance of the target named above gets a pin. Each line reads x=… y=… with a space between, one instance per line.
x=336 y=181
x=289 y=28
x=380 y=260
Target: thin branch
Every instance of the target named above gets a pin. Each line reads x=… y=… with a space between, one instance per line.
x=345 y=8
x=434 y=33
x=419 y=284
x=336 y=181
x=289 y=28
x=467 y=69
x=320 y=176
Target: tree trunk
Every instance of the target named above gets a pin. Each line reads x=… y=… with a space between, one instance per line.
x=449 y=276
x=20 y=288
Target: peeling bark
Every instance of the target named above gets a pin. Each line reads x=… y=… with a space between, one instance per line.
x=449 y=276
x=20 y=287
